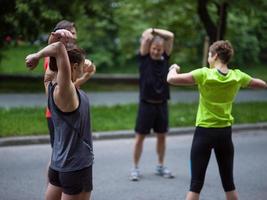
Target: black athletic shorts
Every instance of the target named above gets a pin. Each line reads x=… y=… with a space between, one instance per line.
x=72 y=183
x=152 y=116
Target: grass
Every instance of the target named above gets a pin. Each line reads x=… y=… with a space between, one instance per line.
x=14 y=63
x=31 y=121
x=257 y=71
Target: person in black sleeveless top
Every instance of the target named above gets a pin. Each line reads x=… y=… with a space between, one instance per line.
x=155 y=49
x=70 y=171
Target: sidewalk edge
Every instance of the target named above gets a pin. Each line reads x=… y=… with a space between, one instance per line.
x=122 y=134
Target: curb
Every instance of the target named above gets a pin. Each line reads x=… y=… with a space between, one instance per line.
x=123 y=134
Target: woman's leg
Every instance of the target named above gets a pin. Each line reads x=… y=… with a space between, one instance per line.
x=192 y=196
x=200 y=156
x=232 y=195
x=81 y=196
x=224 y=152
x=53 y=192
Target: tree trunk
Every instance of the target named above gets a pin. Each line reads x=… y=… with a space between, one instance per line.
x=214 y=31
x=222 y=21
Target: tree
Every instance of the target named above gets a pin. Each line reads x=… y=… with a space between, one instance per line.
x=215 y=30
x=28 y=19
x=6 y=30
x=98 y=33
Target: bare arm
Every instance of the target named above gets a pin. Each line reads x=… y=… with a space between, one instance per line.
x=60 y=35
x=257 y=83
x=58 y=51
x=146 y=41
x=65 y=92
x=175 y=78
x=48 y=77
x=168 y=37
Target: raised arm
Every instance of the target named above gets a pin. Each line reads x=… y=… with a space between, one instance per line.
x=257 y=83
x=175 y=78
x=147 y=38
x=65 y=92
x=168 y=39
x=49 y=76
x=61 y=34
x=58 y=51
x=146 y=41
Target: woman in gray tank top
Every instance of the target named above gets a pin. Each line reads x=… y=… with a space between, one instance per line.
x=70 y=172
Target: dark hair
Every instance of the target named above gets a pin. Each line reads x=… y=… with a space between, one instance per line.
x=76 y=55
x=64 y=24
x=223 y=49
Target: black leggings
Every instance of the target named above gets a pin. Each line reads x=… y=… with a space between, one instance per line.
x=206 y=139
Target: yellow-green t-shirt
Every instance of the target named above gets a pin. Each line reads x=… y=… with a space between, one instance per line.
x=217 y=93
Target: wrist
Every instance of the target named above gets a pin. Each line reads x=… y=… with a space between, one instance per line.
x=38 y=55
x=176 y=67
x=172 y=67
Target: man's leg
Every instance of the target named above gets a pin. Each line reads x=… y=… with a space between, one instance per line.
x=161 y=147
x=138 y=148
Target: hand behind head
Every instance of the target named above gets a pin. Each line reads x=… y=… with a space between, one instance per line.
x=88 y=67
x=64 y=36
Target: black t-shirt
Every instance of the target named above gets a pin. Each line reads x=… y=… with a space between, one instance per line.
x=153 y=78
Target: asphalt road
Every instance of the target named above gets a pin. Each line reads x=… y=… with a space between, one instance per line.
x=23 y=170
x=112 y=98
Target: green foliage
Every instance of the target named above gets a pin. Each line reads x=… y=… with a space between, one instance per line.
x=31 y=17
x=109 y=30
x=98 y=34
x=244 y=38
x=31 y=121
x=180 y=18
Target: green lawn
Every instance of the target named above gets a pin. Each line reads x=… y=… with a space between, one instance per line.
x=14 y=63
x=14 y=60
x=31 y=121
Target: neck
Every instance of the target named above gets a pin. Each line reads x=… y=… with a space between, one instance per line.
x=220 y=66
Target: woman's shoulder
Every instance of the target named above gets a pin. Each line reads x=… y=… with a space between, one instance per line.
x=237 y=71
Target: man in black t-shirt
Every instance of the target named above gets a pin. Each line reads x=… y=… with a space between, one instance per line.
x=155 y=49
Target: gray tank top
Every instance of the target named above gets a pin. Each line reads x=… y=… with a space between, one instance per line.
x=73 y=149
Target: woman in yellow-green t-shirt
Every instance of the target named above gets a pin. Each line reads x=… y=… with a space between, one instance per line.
x=218 y=86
